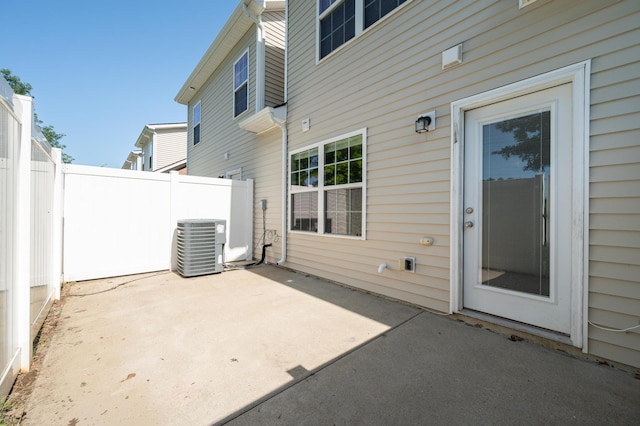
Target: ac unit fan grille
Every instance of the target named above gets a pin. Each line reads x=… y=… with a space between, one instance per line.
x=199 y=245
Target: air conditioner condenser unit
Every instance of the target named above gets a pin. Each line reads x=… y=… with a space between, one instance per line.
x=200 y=245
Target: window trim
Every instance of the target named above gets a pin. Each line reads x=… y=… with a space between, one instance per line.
x=194 y=124
x=235 y=90
x=321 y=189
x=359 y=23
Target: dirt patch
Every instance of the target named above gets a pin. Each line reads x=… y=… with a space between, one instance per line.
x=14 y=406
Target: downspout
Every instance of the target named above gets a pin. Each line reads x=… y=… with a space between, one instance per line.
x=285 y=170
x=260 y=57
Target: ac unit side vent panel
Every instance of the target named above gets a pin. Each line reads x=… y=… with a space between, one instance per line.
x=200 y=244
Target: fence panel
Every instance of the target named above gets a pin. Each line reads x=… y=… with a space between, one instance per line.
x=42 y=281
x=29 y=234
x=9 y=144
x=121 y=222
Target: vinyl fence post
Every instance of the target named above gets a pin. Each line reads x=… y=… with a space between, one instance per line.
x=58 y=202
x=23 y=235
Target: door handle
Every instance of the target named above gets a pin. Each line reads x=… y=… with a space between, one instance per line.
x=468 y=224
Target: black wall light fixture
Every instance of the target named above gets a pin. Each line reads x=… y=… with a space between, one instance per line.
x=426 y=122
x=422 y=124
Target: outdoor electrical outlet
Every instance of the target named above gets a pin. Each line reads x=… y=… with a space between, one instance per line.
x=263 y=204
x=410 y=264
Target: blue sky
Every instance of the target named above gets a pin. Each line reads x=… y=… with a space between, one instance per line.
x=101 y=70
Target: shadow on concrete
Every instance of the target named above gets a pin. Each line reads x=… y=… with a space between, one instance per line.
x=429 y=369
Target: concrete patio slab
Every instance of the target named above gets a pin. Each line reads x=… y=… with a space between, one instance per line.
x=435 y=371
x=270 y=346
x=160 y=349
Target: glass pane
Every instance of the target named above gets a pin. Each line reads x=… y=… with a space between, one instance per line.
x=304 y=168
x=342 y=173
x=343 y=212
x=196 y=113
x=196 y=134
x=313 y=178
x=356 y=148
x=330 y=153
x=240 y=71
x=374 y=10
x=304 y=211
x=337 y=27
x=343 y=161
x=515 y=212
x=240 y=100
x=355 y=172
x=324 y=4
x=295 y=162
x=329 y=175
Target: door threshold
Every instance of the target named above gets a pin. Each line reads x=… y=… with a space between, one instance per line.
x=515 y=325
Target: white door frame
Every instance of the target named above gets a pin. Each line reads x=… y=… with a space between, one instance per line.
x=578 y=75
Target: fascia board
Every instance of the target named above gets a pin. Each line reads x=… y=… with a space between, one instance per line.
x=167 y=126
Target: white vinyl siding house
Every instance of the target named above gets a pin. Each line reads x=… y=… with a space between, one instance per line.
x=571 y=70
x=225 y=148
x=389 y=74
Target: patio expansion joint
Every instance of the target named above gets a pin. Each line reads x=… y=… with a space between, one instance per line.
x=316 y=370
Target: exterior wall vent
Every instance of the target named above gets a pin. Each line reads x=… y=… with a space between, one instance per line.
x=200 y=244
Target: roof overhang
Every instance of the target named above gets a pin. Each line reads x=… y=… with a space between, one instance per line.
x=234 y=29
x=132 y=157
x=150 y=129
x=264 y=120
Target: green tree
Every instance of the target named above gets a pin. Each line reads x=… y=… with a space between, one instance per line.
x=18 y=87
x=532 y=137
x=21 y=88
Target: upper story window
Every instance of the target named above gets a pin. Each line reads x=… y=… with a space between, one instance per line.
x=374 y=10
x=337 y=24
x=327 y=186
x=196 y=123
x=241 y=85
x=342 y=20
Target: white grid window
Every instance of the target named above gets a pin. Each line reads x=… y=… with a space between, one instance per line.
x=241 y=85
x=327 y=190
x=341 y=20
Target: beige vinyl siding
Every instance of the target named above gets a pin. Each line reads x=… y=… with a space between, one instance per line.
x=388 y=76
x=219 y=131
x=274 y=24
x=258 y=156
x=171 y=147
x=263 y=161
x=614 y=205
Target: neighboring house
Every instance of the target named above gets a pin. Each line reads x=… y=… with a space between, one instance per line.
x=163 y=148
x=519 y=205
x=133 y=161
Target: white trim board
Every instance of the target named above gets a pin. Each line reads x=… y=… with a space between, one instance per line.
x=578 y=75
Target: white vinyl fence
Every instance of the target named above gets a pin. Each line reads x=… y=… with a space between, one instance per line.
x=30 y=232
x=121 y=222
x=69 y=223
